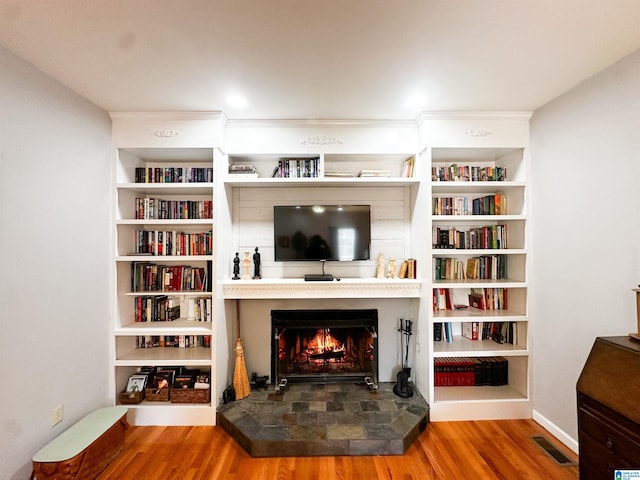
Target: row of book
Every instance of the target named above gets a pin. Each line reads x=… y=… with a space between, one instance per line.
x=164 y=308
x=487 y=237
x=489 y=298
x=499 y=332
x=160 y=209
x=480 y=298
x=159 y=242
x=173 y=174
x=151 y=277
x=484 y=267
x=468 y=173
x=408 y=167
x=297 y=168
x=408 y=269
x=494 y=204
x=470 y=371
x=173 y=341
x=156 y=308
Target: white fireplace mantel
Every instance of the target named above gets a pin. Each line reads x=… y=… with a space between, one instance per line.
x=343 y=288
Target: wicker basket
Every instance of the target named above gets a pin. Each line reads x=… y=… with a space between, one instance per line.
x=190 y=395
x=130 y=398
x=156 y=395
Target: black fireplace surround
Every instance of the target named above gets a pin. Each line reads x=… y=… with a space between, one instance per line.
x=324 y=346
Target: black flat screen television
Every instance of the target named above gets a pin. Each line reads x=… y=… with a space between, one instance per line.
x=322 y=232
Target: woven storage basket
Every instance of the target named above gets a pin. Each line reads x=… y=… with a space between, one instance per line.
x=130 y=398
x=190 y=395
x=88 y=464
x=156 y=395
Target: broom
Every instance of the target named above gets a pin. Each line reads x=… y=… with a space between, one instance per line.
x=240 y=378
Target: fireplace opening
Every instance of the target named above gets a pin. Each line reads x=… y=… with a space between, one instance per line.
x=324 y=346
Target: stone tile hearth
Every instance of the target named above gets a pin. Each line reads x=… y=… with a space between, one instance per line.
x=308 y=419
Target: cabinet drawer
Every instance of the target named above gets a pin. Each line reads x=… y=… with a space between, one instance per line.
x=617 y=442
x=598 y=458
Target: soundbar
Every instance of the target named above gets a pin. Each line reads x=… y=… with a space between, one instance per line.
x=320 y=277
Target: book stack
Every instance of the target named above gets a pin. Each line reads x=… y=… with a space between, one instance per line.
x=372 y=172
x=470 y=371
x=338 y=174
x=243 y=170
x=408 y=269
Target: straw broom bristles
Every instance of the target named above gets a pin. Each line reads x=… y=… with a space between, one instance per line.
x=240 y=378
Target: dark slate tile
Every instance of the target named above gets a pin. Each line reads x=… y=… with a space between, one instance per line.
x=308 y=432
x=381 y=432
x=369 y=406
x=307 y=418
x=272 y=433
x=299 y=406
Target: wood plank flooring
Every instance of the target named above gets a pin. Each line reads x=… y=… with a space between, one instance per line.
x=445 y=450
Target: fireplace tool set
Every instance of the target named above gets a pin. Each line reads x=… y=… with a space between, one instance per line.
x=402 y=387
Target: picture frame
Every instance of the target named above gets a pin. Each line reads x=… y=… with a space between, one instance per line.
x=136 y=383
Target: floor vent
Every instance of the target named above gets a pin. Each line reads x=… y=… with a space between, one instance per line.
x=552 y=451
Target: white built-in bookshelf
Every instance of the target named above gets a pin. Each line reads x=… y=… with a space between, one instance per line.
x=164 y=302
x=479 y=283
x=323 y=161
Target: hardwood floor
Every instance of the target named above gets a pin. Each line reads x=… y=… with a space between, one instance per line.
x=445 y=450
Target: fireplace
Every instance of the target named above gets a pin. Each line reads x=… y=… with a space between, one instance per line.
x=324 y=346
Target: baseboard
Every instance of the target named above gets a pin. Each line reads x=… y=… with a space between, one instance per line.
x=554 y=430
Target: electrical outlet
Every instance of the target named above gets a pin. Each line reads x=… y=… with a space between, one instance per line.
x=57 y=414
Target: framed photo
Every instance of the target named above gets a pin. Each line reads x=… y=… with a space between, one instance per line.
x=136 y=383
x=164 y=378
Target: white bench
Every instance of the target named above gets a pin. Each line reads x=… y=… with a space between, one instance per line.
x=85 y=449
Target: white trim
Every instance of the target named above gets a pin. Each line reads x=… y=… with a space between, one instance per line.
x=555 y=431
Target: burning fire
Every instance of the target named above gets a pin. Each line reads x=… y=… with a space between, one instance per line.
x=324 y=342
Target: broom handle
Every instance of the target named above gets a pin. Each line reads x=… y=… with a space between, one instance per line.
x=238 y=316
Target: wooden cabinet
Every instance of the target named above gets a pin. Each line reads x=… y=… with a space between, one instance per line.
x=608 y=408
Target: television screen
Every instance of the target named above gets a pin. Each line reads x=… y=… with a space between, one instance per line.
x=322 y=232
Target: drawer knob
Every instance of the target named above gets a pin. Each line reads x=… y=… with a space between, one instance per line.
x=609 y=443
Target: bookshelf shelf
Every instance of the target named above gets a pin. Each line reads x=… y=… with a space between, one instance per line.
x=324 y=182
x=165 y=356
x=461 y=395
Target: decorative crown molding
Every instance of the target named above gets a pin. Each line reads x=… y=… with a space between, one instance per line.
x=165 y=133
x=321 y=140
x=477 y=132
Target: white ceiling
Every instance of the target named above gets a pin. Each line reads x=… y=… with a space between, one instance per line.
x=320 y=59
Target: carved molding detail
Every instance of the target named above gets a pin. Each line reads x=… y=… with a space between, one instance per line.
x=165 y=133
x=321 y=140
x=316 y=290
x=476 y=132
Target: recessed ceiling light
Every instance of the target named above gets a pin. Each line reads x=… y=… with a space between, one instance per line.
x=236 y=101
x=415 y=101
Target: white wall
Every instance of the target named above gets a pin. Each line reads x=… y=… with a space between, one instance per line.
x=54 y=211
x=586 y=230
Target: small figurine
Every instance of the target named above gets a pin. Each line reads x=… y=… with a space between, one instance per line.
x=391 y=269
x=246 y=265
x=256 y=265
x=380 y=269
x=236 y=267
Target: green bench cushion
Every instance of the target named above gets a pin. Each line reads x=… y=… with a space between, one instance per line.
x=80 y=435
